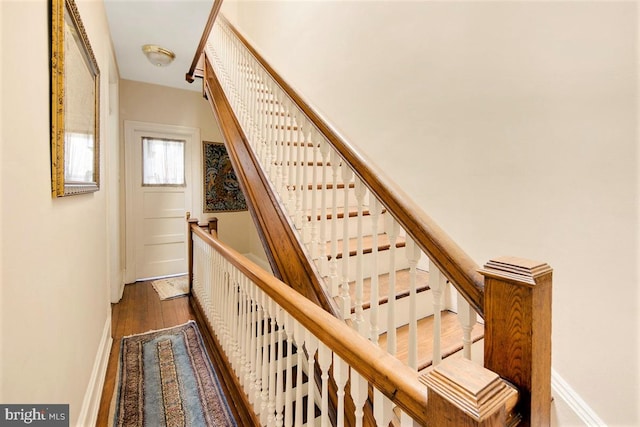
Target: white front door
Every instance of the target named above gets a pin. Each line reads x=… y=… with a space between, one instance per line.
x=159 y=193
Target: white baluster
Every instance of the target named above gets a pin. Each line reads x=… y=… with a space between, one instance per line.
x=322 y=241
x=311 y=343
x=347 y=174
x=374 y=209
x=299 y=334
x=253 y=346
x=437 y=283
x=292 y=150
x=266 y=350
x=273 y=144
x=233 y=317
x=272 y=364
x=299 y=170
x=468 y=318
x=340 y=375
x=359 y=393
x=382 y=408
x=280 y=368
x=306 y=130
x=358 y=322
x=393 y=230
x=264 y=153
x=324 y=361
x=243 y=335
x=286 y=153
x=334 y=282
x=288 y=406
x=279 y=131
x=314 y=194
x=257 y=111
x=413 y=255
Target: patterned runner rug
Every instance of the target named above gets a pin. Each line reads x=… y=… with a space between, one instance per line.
x=166 y=379
x=171 y=287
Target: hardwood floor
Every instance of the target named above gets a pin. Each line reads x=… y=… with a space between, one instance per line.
x=140 y=310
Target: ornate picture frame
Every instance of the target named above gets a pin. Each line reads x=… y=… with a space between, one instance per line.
x=222 y=191
x=75 y=104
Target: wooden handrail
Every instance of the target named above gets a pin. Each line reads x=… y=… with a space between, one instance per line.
x=397 y=381
x=454 y=263
x=215 y=9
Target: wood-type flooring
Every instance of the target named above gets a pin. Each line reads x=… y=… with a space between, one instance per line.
x=140 y=310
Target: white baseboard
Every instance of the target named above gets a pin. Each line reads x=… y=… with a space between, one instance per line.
x=562 y=390
x=91 y=403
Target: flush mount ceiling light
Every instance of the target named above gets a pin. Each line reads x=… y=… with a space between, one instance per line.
x=157 y=55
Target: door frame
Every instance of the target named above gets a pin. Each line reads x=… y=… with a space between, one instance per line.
x=131 y=127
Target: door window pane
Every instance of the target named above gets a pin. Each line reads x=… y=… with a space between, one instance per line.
x=162 y=162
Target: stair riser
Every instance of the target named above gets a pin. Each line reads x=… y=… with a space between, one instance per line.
x=424 y=308
x=328 y=197
x=367 y=260
x=367 y=226
x=293 y=170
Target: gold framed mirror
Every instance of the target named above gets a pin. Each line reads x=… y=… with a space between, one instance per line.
x=75 y=104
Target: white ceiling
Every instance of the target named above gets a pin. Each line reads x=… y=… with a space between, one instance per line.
x=176 y=25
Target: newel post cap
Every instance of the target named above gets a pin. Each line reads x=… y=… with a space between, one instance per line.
x=516 y=270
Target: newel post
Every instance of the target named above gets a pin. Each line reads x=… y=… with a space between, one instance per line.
x=190 y=247
x=517 y=340
x=212 y=226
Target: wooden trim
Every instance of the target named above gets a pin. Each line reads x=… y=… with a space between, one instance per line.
x=212 y=226
x=284 y=251
x=463 y=393
x=394 y=379
x=517 y=340
x=454 y=263
x=190 y=248
x=197 y=58
x=236 y=395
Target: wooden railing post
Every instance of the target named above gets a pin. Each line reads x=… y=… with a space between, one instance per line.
x=462 y=393
x=213 y=226
x=517 y=341
x=190 y=248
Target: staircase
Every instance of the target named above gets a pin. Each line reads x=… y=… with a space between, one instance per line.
x=367 y=263
x=351 y=241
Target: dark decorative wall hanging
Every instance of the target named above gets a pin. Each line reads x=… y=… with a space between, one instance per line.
x=221 y=189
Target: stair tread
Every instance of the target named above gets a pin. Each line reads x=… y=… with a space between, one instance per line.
x=328 y=186
x=450 y=343
x=403 y=278
x=352 y=211
x=295 y=143
x=367 y=245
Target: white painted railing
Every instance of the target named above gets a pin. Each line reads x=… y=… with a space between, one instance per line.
x=268 y=331
x=320 y=191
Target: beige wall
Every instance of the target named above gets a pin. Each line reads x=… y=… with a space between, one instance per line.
x=54 y=305
x=159 y=104
x=521 y=122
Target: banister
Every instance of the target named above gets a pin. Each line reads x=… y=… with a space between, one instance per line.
x=516 y=301
x=455 y=264
x=385 y=372
x=215 y=9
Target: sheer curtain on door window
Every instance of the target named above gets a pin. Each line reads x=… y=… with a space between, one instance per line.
x=162 y=162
